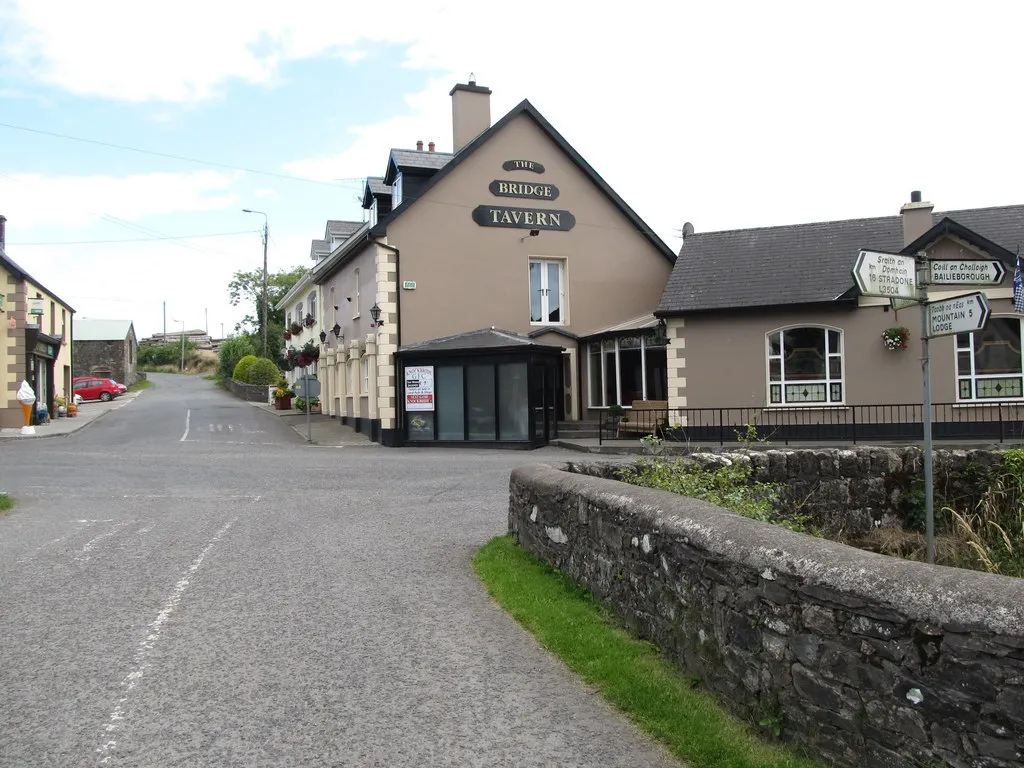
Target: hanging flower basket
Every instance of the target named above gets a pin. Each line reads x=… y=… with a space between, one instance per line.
x=295 y=328
x=309 y=321
x=895 y=339
x=287 y=335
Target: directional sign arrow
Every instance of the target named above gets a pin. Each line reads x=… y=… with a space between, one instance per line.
x=885 y=274
x=962 y=314
x=966 y=272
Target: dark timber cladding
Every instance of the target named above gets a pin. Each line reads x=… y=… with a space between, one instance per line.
x=523 y=218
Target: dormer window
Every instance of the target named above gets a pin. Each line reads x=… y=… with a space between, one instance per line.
x=373 y=213
x=396 y=192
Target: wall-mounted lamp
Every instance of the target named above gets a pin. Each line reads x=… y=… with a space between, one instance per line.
x=323 y=336
x=533 y=233
x=375 y=314
x=661 y=332
x=336 y=330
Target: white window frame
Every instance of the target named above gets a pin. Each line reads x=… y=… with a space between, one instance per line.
x=396 y=191
x=563 y=293
x=288 y=320
x=828 y=381
x=364 y=363
x=298 y=313
x=355 y=295
x=373 y=212
x=973 y=377
x=312 y=305
x=645 y=345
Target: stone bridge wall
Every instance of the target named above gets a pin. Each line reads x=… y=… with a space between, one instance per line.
x=865 y=659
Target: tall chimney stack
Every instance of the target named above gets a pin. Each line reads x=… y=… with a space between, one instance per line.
x=471 y=112
x=917 y=218
x=3 y=232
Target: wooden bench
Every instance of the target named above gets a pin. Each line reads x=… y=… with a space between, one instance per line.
x=645 y=417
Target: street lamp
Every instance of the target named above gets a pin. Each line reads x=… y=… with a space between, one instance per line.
x=266 y=236
x=375 y=315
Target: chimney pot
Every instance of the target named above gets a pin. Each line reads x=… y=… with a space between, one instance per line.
x=431 y=146
x=915 y=196
x=3 y=231
x=419 y=145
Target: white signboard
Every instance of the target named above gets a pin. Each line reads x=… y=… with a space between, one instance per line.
x=962 y=314
x=419 y=388
x=35 y=306
x=885 y=274
x=966 y=272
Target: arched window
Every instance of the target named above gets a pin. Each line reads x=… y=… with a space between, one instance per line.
x=805 y=366
x=988 y=362
x=312 y=305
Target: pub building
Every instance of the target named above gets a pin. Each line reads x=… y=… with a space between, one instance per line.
x=494 y=293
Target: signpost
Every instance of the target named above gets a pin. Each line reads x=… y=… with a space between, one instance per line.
x=889 y=275
x=307 y=388
x=961 y=314
x=904 y=280
x=965 y=272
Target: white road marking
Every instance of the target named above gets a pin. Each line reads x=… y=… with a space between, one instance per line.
x=188 y=418
x=145 y=648
x=25 y=558
x=229 y=428
x=91 y=544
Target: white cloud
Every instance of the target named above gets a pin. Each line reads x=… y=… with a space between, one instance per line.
x=33 y=201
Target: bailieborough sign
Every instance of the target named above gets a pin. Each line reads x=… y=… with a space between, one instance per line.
x=523 y=218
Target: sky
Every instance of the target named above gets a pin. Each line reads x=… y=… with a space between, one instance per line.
x=725 y=115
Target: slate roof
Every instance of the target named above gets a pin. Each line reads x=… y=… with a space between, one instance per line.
x=341 y=228
x=526 y=108
x=319 y=248
x=491 y=339
x=374 y=186
x=88 y=329
x=419 y=158
x=802 y=263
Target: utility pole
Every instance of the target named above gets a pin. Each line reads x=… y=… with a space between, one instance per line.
x=165 y=322
x=266 y=237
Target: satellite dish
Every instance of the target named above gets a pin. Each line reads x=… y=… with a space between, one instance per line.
x=687 y=230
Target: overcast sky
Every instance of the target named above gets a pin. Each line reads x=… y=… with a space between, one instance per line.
x=726 y=115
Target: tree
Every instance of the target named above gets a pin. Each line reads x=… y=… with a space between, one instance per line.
x=246 y=288
x=231 y=351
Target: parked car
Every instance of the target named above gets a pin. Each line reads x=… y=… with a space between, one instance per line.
x=94 y=388
x=121 y=388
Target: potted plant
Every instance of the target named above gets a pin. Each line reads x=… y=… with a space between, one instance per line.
x=895 y=339
x=309 y=321
x=287 y=335
x=283 y=397
x=295 y=328
x=300 y=403
x=314 y=405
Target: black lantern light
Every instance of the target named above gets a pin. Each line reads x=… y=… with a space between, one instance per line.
x=661 y=332
x=336 y=330
x=375 y=314
x=323 y=336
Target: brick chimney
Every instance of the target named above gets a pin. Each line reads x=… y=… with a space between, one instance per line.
x=431 y=146
x=3 y=232
x=917 y=218
x=419 y=146
x=471 y=112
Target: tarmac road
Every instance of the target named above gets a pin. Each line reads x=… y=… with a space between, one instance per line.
x=187 y=583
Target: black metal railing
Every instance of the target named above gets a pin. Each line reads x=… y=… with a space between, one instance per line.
x=997 y=422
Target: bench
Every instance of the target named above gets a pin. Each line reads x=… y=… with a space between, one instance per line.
x=645 y=417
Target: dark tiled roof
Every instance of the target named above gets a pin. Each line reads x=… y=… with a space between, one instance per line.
x=377 y=186
x=319 y=248
x=342 y=228
x=485 y=338
x=801 y=263
x=419 y=158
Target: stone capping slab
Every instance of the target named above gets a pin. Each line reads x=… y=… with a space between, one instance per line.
x=921 y=592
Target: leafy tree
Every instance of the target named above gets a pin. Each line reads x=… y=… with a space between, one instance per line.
x=231 y=351
x=241 y=372
x=164 y=354
x=263 y=371
x=246 y=288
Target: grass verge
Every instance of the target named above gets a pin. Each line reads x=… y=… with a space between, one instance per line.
x=629 y=673
x=140 y=384
x=6 y=502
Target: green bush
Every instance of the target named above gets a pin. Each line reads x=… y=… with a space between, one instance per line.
x=263 y=371
x=163 y=354
x=231 y=351
x=241 y=372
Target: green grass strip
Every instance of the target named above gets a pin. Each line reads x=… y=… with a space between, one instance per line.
x=6 y=502
x=140 y=384
x=629 y=673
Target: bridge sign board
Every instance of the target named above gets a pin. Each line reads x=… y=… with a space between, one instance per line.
x=961 y=314
x=889 y=275
x=306 y=388
x=965 y=272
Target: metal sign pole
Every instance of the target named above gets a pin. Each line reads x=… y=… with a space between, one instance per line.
x=309 y=424
x=929 y=480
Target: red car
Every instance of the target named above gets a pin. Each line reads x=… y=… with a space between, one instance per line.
x=93 y=388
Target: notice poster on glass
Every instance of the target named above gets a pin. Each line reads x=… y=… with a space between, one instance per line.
x=419 y=388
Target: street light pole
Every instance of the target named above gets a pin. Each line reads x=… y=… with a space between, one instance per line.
x=266 y=236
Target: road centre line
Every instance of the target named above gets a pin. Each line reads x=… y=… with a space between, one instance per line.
x=188 y=419
x=145 y=648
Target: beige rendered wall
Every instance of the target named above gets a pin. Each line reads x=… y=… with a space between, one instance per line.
x=12 y=348
x=54 y=329
x=471 y=277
